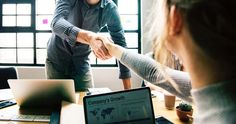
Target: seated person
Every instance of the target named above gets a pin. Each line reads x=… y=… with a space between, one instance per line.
x=201 y=33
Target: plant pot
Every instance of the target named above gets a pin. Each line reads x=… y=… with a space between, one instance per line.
x=183 y=114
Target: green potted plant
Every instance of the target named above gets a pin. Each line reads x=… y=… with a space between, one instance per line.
x=184 y=111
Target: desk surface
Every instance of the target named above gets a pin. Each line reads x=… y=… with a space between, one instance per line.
x=69 y=109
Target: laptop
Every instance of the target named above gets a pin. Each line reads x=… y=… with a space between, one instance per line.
x=123 y=107
x=39 y=99
x=42 y=93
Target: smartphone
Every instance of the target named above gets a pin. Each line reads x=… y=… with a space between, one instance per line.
x=7 y=103
x=162 y=120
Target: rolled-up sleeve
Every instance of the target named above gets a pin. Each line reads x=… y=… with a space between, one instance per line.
x=60 y=26
x=117 y=34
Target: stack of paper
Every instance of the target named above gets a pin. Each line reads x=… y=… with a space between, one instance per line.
x=93 y=91
x=6 y=94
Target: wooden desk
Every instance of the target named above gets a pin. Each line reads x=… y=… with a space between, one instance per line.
x=159 y=109
x=75 y=111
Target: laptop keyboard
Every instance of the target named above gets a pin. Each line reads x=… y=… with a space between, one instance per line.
x=30 y=118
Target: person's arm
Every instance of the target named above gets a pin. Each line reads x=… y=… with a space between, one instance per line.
x=117 y=34
x=150 y=70
x=60 y=26
x=72 y=34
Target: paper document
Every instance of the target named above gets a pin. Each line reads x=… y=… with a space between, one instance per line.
x=93 y=91
x=6 y=94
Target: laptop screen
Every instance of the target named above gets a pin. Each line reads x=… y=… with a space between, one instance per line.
x=129 y=106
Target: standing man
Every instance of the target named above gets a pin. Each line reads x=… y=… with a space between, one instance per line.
x=73 y=39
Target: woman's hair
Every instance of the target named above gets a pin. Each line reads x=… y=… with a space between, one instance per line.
x=154 y=21
x=154 y=26
x=165 y=57
x=212 y=25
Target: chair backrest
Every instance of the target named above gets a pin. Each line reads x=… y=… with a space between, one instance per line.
x=5 y=74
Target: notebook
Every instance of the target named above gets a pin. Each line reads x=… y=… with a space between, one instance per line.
x=122 y=107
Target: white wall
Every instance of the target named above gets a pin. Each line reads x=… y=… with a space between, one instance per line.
x=145 y=10
x=103 y=77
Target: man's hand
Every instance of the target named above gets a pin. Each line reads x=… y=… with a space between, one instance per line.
x=99 y=49
x=113 y=49
x=97 y=46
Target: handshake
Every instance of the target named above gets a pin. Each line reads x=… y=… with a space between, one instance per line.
x=100 y=45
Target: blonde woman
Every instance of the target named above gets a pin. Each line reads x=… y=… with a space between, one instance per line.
x=202 y=34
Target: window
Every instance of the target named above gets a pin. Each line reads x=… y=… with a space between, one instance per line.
x=43 y=18
x=130 y=17
x=25 y=30
x=16 y=14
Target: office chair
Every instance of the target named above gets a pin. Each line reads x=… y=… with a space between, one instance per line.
x=5 y=74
